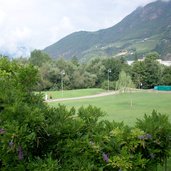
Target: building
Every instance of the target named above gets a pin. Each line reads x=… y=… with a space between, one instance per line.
x=166 y=63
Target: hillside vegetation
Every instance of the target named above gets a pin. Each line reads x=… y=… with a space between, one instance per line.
x=145 y=29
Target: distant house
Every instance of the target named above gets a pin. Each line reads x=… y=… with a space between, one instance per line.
x=130 y=62
x=166 y=63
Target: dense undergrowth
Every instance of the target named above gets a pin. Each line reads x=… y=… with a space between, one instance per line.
x=34 y=136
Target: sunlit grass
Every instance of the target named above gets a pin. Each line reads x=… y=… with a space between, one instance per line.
x=73 y=93
x=126 y=107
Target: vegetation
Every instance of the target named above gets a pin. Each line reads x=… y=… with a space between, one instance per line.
x=124 y=82
x=95 y=73
x=75 y=75
x=126 y=107
x=142 y=31
x=147 y=73
x=37 y=137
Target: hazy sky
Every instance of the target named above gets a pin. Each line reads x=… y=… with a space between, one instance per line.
x=39 y=23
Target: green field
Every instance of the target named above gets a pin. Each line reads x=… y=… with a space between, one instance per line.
x=73 y=93
x=126 y=107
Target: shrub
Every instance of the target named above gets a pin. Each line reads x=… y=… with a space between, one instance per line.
x=37 y=137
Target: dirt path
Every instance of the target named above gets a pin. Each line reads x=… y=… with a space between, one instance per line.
x=84 y=97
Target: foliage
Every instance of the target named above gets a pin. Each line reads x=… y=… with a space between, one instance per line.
x=38 y=57
x=152 y=71
x=166 y=76
x=138 y=73
x=112 y=85
x=138 y=30
x=95 y=73
x=158 y=126
x=77 y=75
x=37 y=137
x=124 y=82
x=46 y=164
x=147 y=73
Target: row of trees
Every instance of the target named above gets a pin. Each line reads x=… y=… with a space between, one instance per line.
x=35 y=137
x=144 y=74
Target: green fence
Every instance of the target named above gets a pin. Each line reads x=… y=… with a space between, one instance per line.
x=162 y=88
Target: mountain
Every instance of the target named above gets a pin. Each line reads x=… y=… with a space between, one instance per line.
x=146 y=29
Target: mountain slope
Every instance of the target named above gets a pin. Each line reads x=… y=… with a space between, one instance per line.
x=145 y=29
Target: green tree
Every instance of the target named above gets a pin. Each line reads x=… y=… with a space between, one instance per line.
x=152 y=71
x=124 y=82
x=39 y=57
x=138 y=73
x=147 y=72
x=96 y=67
x=115 y=66
x=166 y=76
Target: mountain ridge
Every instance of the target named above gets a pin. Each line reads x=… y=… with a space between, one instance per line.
x=143 y=30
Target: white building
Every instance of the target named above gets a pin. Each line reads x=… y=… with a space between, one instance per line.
x=166 y=63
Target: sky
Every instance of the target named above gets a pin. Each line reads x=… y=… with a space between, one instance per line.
x=26 y=25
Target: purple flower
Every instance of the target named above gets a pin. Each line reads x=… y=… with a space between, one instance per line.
x=20 y=153
x=148 y=136
x=141 y=137
x=11 y=143
x=2 y=131
x=105 y=157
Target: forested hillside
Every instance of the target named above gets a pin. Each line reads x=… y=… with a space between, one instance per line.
x=145 y=29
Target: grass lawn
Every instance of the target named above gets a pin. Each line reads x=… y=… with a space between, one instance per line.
x=126 y=107
x=73 y=93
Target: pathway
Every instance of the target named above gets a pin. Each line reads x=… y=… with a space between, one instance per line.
x=84 y=97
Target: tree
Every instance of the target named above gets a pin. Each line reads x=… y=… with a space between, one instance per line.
x=96 y=67
x=39 y=57
x=124 y=82
x=115 y=66
x=34 y=136
x=147 y=72
x=138 y=73
x=166 y=76
x=152 y=71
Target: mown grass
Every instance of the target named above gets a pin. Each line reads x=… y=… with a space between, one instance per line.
x=72 y=93
x=126 y=107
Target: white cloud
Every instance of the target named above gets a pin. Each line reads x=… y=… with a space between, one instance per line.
x=2 y=17
x=39 y=23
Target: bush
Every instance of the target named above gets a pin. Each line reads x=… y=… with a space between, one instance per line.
x=159 y=127
x=112 y=85
x=37 y=137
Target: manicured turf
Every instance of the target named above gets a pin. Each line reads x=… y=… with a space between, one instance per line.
x=128 y=106
x=73 y=93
